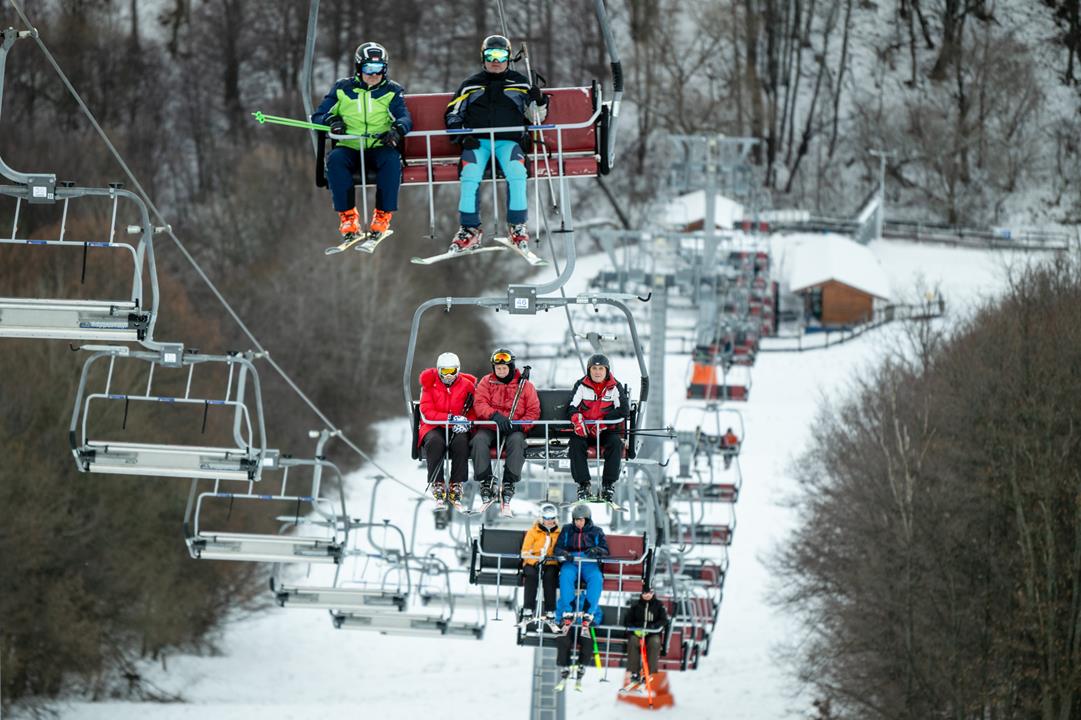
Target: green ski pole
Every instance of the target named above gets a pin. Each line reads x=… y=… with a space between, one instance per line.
x=288 y=122
x=596 y=650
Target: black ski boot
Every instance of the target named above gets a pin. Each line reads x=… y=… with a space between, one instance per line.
x=583 y=493
x=487 y=488
x=607 y=493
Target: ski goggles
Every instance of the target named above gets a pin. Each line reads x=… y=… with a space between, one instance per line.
x=502 y=358
x=496 y=55
x=373 y=68
x=448 y=371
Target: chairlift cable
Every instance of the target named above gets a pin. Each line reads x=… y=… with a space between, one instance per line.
x=502 y=19
x=191 y=260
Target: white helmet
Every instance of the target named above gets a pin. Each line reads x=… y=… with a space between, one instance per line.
x=448 y=366
x=548 y=511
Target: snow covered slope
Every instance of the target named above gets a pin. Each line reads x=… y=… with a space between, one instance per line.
x=292 y=664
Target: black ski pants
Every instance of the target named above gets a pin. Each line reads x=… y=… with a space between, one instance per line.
x=435 y=449
x=611 y=451
x=565 y=644
x=546 y=574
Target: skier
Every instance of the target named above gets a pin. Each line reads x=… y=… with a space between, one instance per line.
x=495 y=97
x=372 y=106
x=495 y=395
x=539 y=564
x=729 y=446
x=581 y=544
x=596 y=396
x=446 y=395
x=577 y=639
x=646 y=614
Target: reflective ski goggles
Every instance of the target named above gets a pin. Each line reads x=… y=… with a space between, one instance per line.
x=373 y=68
x=496 y=55
x=448 y=371
x=502 y=358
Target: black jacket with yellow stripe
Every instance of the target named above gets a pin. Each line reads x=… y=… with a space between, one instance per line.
x=487 y=100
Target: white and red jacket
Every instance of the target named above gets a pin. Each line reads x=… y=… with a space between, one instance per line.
x=606 y=400
x=438 y=400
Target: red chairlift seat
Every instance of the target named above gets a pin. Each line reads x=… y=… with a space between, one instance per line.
x=570 y=151
x=620 y=575
x=704 y=534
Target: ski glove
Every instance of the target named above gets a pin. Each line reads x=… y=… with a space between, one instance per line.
x=613 y=413
x=469 y=142
x=391 y=138
x=595 y=552
x=337 y=126
x=503 y=423
x=536 y=96
x=579 y=425
x=461 y=423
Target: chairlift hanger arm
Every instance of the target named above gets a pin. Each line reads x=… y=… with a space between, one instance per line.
x=542 y=303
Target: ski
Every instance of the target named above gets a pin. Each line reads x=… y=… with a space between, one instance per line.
x=616 y=506
x=433 y=259
x=528 y=255
x=348 y=241
x=633 y=686
x=440 y=504
x=372 y=241
x=561 y=685
x=479 y=511
x=505 y=511
x=578 y=685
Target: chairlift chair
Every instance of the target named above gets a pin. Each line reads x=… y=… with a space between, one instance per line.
x=111 y=319
x=241 y=460
x=319 y=535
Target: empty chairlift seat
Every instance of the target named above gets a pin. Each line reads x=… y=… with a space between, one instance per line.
x=345 y=598
x=494 y=557
x=627 y=564
x=408 y=624
x=138 y=382
x=123 y=319
x=315 y=530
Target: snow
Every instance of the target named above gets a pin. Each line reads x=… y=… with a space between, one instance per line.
x=292 y=664
x=689 y=209
x=819 y=258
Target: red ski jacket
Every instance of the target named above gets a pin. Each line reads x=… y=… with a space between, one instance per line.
x=494 y=396
x=438 y=401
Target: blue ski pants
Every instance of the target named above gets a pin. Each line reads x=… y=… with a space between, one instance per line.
x=568 y=578
x=511 y=159
x=344 y=161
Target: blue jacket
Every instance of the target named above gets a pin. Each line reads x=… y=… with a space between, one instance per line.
x=575 y=542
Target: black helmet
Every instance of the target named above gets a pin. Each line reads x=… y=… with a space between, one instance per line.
x=599 y=359
x=502 y=356
x=495 y=43
x=371 y=52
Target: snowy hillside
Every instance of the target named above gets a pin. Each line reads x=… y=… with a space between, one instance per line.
x=290 y=664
